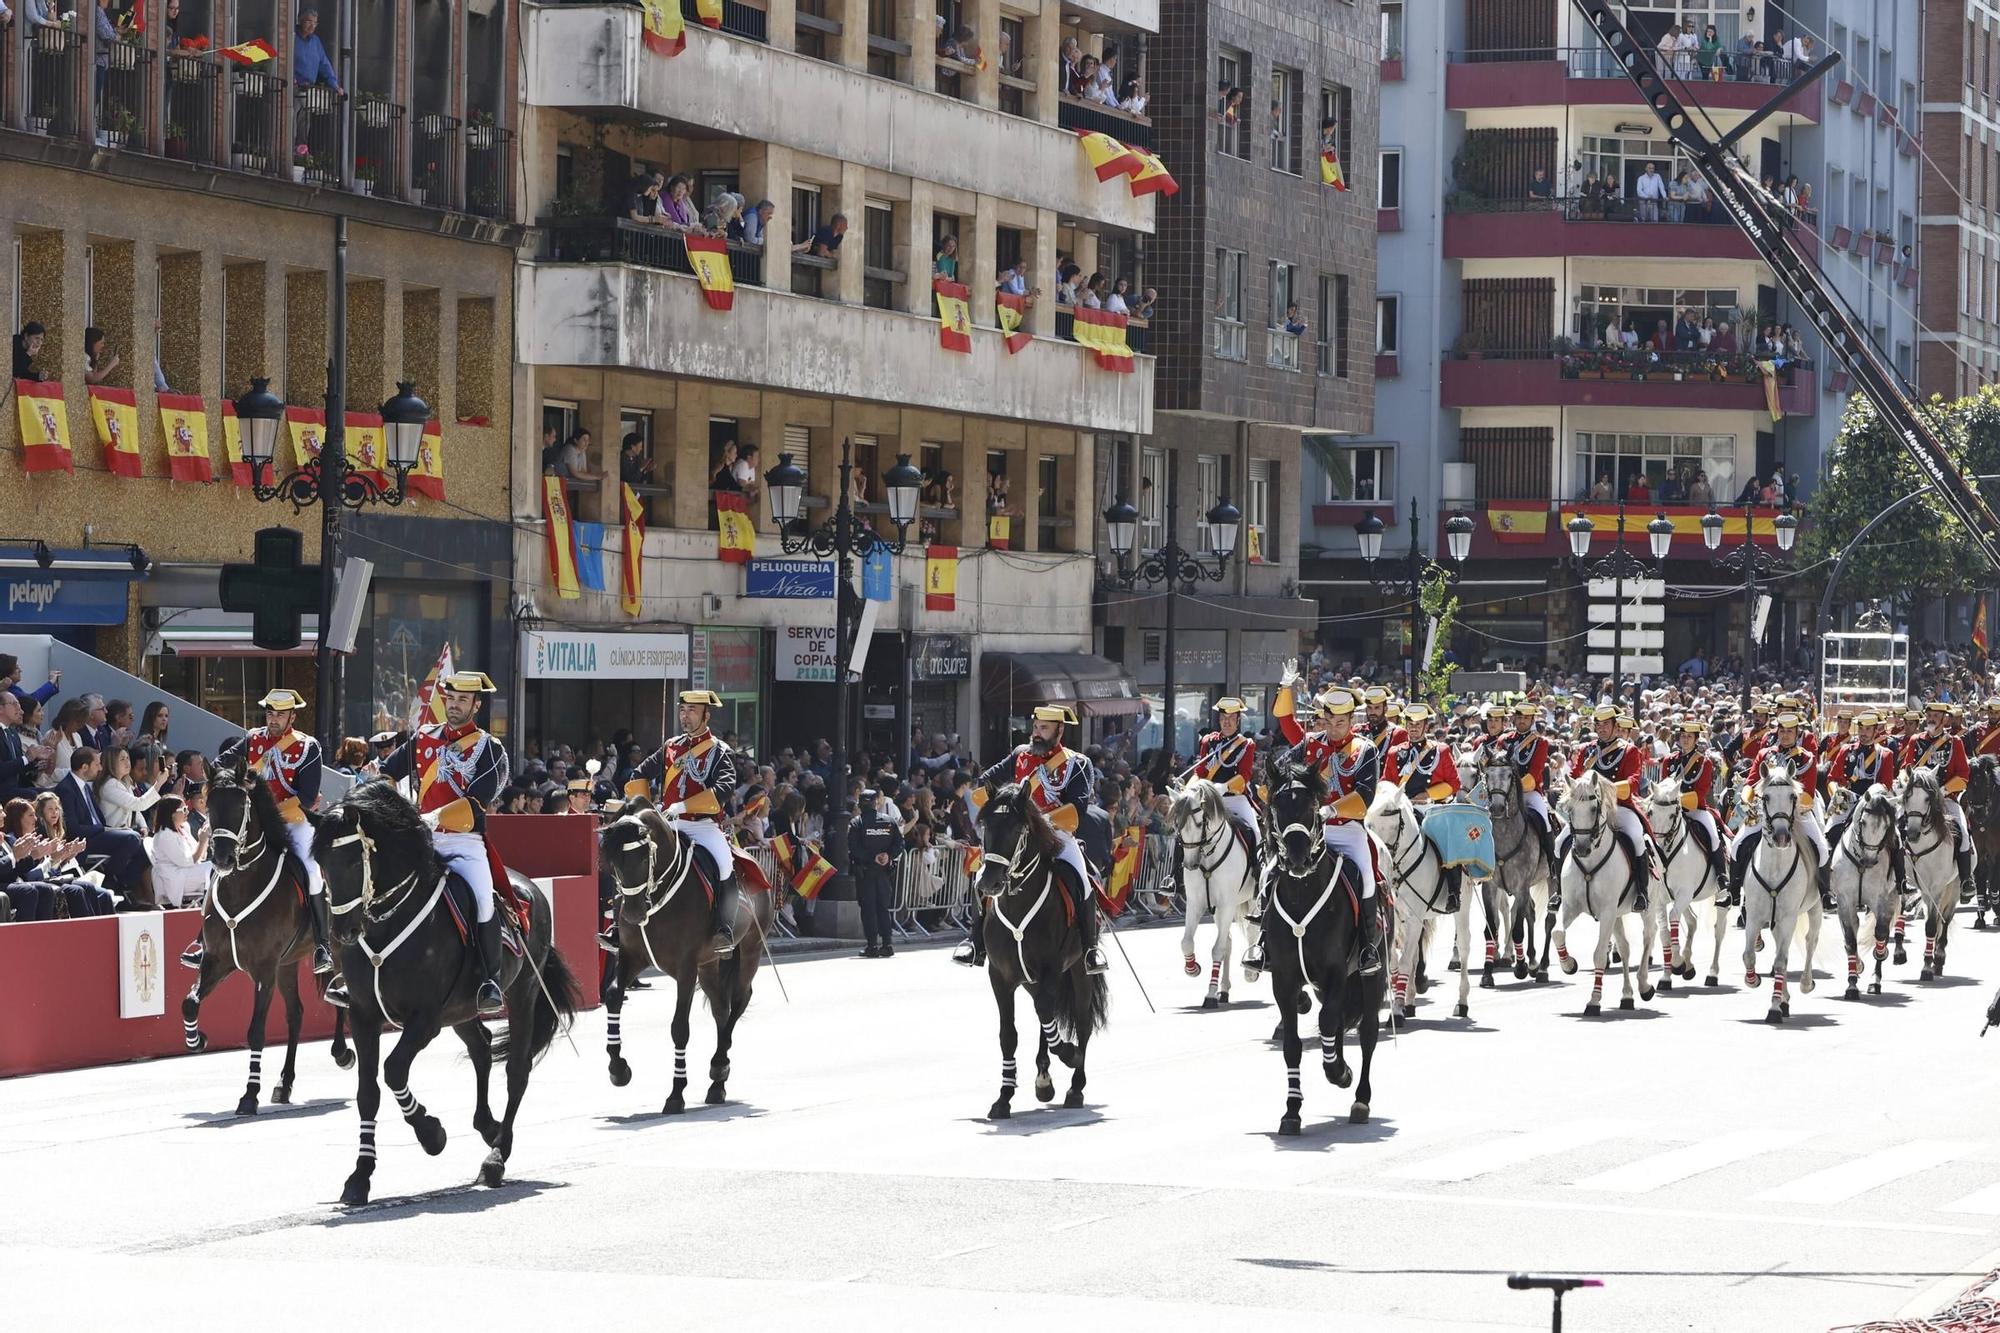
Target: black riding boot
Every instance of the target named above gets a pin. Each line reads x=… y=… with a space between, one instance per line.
x=1964 y=861
x=1260 y=907
x=322 y=956
x=1086 y=927
x=1453 y=882
x=725 y=918
x=196 y=950
x=489 y=1000
x=1371 y=937
x=1546 y=835
x=1823 y=878
x=1900 y=868
x=1179 y=882
x=1739 y=868
x=1642 y=874
x=971 y=951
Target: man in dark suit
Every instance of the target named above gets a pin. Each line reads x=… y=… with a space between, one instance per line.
x=16 y=775
x=126 y=863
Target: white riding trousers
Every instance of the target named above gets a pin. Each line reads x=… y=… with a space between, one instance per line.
x=1243 y=812
x=300 y=835
x=708 y=835
x=464 y=854
x=1626 y=822
x=1808 y=827
x=1707 y=822
x=1351 y=841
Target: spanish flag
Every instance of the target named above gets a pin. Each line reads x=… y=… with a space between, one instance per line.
x=1127 y=855
x=562 y=539
x=115 y=413
x=940 y=578
x=632 y=586
x=366 y=451
x=429 y=705
x=781 y=852
x=735 y=534
x=184 y=426
x=710 y=257
x=1979 y=627
x=954 y=315
x=1104 y=334
x=1329 y=170
x=44 y=427
x=666 y=30
x=1769 y=370
x=999 y=531
x=1152 y=177
x=232 y=445
x=813 y=872
x=427 y=477
x=1108 y=157
x=307 y=426
x=1013 y=313
x=710 y=12
x=254 y=52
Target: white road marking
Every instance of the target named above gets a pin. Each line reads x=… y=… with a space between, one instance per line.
x=1985 y=1202
x=1677 y=1164
x=1838 y=1183
x=1483 y=1158
x=1074 y=1223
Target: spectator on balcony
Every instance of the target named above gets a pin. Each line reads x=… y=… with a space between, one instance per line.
x=1147 y=300
x=961 y=45
x=1600 y=493
x=748 y=479
x=1085 y=76
x=574 y=462
x=1094 y=292
x=1673 y=490
x=1799 y=53
x=1708 y=54
x=1114 y=300
x=1652 y=192
x=1640 y=492
x=750 y=229
x=1295 y=323
x=1539 y=185
x=107 y=37
x=1774 y=53
x=1068 y=278
x=1698 y=489
x=724 y=211
x=642 y=202
x=723 y=476
x=1687 y=337
x=98 y=360
x=1010 y=60
x=1104 y=80
x=634 y=468
x=310 y=63
x=1706 y=333
x=1788 y=195
x=28 y=346
x=1748 y=49
x=1232 y=104
x=678 y=202
x=945 y=263
x=1071 y=60
x=1698 y=209
x=1012 y=281
x=825 y=242
x=1135 y=99
x=1677 y=195
x=1723 y=344
x=1767 y=494
x=1751 y=489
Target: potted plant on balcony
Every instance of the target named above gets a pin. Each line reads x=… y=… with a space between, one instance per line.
x=119 y=126
x=479 y=134
x=485 y=198
x=177 y=140
x=1470 y=346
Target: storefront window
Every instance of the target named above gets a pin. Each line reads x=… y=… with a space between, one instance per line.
x=412 y=623
x=730 y=662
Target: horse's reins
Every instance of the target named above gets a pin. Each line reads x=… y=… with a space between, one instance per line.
x=1771 y=822
x=393 y=900
x=646 y=886
x=1426 y=850
x=1282 y=867
x=1016 y=875
x=1578 y=839
x=238 y=836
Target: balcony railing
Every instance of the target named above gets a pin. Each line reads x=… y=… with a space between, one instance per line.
x=256 y=125
x=58 y=67
x=489 y=170
x=1612 y=208
x=741 y=19
x=378 y=146
x=1231 y=339
x=124 y=110
x=193 y=94
x=434 y=161
x=1284 y=350
x=1596 y=62
x=811 y=275
x=316 y=125
x=1073 y=113
x=1701 y=365
x=615 y=240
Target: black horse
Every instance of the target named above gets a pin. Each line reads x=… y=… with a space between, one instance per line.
x=1312 y=935
x=1033 y=941
x=407 y=963
x=256 y=922
x=664 y=920
x=1981 y=804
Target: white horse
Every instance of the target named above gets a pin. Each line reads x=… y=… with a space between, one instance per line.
x=1933 y=861
x=1782 y=887
x=1688 y=874
x=1523 y=880
x=1417 y=885
x=1864 y=882
x=1217 y=876
x=1597 y=877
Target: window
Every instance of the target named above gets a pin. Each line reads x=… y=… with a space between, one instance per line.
x=1152 y=504
x=1618 y=460
x=1388 y=325
x=1836 y=198
x=1392 y=29
x=1389 y=190
x=1903 y=360
x=1370 y=474
x=1257 y=513
x=1284 y=344
x=1336 y=113
x=878 y=286
x=1232 y=110
x=1283 y=118
x=560 y=416
x=1211 y=479
x=1230 y=339
x=1340 y=323
x=1603 y=311
x=805 y=212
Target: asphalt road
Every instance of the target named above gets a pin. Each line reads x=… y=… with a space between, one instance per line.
x=1717 y=1172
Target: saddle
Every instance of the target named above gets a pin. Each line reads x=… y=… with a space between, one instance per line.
x=508 y=905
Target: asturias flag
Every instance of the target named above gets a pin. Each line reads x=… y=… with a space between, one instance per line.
x=632 y=584
x=115 y=413
x=427 y=477
x=562 y=539
x=940 y=578
x=954 y=315
x=44 y=427
x=710 y=257
x=666 y=30
x=735 y=535
x=184 y=425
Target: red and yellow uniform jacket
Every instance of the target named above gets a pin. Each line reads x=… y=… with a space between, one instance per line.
x=1424 y=769
x=1618 y=760
x=1385 y=735
x=1528 y=751
x=1856 y=765
x=290 y=766
x=695 y=770
x=1804 y=766
x=1946 y=754
x=459 y=772
x=1350 y=770
x=1696 y=774
x=1985 y=739
x=1059 y=782
x=1229 y=761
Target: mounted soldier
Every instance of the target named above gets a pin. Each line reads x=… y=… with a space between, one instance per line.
x=1228 y=758
x=1694 y=767
x=290 y=764
x=1527 y=749
x=1858 y=764
x=1378 y=726
x=1985 y=738
x=1788 y=744
x=1936 y=748
x=1059 y=781
x=1423 y=768
x=1619 y=762
x=696 y=773
x=458 y=769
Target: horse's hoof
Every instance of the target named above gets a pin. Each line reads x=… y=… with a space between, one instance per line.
x=1752 y=980
x=1486 y=981
x=1568 y=967
x=1687 y=972
x=1222 y=998
x=1775 y=1016
x=1340 y=1075
x=1423 y=984
x=1208 y=1002
x=281 y=1095
x=1785 y=1008
x=343 y=1058
x=676 y=1103
x=1045 y=1088
x=1874 y=988
x=430 y=1134
x=355 y=1191
x=493 y=1170
x=715 y=1095
x=1521 y=971
x=1593 y=1009
x=1398 y=1015
x=1191 y=967
x=1646 y=993
x=487 y=1128
x=1881 y=952
x=1711 y=980
x=1073 y=1100
x=248 y=1105
x=1452 y=966
x=1923 y=974
x=1666 y=983
x=1541 y=974
x=199 y=1043
x=1807 y=983
x=1064 y=1051
x=621 y=1073
x=1851 y=993
x=1358 y=1115
x=1000 y=1110
x=1901 y=957
x=1290 y=1125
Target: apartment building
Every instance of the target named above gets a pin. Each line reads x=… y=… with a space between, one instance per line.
x=1958 y=245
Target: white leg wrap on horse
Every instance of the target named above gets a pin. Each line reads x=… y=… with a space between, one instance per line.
x=300 y=836
x=464 y=854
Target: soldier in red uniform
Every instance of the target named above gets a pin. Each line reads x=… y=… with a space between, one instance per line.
x=1937 y=749
x=1789 y=744
x=1228 y=758
x=1617 y=760
x=697 y=774
x=1861 y=762
x=1985 y=738
x=1422 y=766
x=1378 y=726
x=1693 y=766
x=1527 y=749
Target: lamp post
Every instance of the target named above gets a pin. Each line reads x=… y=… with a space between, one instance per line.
x=1753 y=561
x=843 y=539
x=1458 y=543
x=1176 y=569
x=1619 y=566
x=327 y=481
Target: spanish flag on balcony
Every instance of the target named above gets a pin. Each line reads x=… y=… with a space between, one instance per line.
x=254 y=52
x=562 y=540
x=1769 y=370
x=1013 y=312
x=710 y=257
x=710 y=12
x=736 y=536
x=632 y=587
x=44 y=427
x=999 y=531
x=1104 y=334
x=954 y=315
x=940 y=578
x=666 y=30
x=307 y=427
x=427 y=477
x=1329 y=170
x=1152 y=177
x=1127 y=855
x=232 y=445
x=813 y=872
x=115 y=413
x=366 y=451
x=1107 y=155
x=184 y=426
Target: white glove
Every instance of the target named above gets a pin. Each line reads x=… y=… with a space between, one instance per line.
x=676 y=810
x=1290 y=675
x=430 y=819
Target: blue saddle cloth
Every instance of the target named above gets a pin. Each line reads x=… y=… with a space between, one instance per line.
x=1463 y=836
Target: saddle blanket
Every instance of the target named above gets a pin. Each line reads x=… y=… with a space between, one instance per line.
x=1463 y=836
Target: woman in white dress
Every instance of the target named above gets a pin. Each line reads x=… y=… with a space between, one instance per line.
x=180 y=857
x=116 y=801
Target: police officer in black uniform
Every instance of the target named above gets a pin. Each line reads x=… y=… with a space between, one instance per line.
x=874 y=840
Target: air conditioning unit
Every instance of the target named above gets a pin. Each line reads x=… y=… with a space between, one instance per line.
x=1461 y=485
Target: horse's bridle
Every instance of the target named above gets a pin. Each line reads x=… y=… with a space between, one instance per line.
x=239 y=837
x=1425 y=850
x=1315 y=830
x=1018 y=869
x=1202 y=843
x=666 y=890
x=392 y=901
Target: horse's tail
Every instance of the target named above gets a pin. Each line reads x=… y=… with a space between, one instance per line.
x=556 y=999
x=1083 y=1005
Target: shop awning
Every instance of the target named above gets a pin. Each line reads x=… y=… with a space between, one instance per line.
x=1095 y=686
x=205 y=632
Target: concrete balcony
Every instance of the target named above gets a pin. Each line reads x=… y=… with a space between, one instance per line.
x=621 y=315
x=1587 y=76
x=589 y=59
x=1141 y=14
x=1553 y=382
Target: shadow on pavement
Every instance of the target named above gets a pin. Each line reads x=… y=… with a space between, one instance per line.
x=646 y=1119
x=1331 y=1133
x=296 y=1111
x=468 y=1198
x=1030 y=1120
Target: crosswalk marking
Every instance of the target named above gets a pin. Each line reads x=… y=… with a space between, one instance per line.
x=1985 y=1202
x=1838 y=1183
x=1481 y=1159
x=1677 y=1164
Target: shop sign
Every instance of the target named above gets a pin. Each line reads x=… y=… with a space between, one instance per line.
x=61 y=599
x=725 y=660
x=567 y=655
x=792 y=579
x=941 y=657
x=805 y=653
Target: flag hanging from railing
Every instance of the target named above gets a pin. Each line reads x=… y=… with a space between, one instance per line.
x=307 y=427
x=710 y=257
x=1127 y=855
x=429 y=703
x=44 y=427
x=184 y=426
x=735 y=535
x=954 y=315
x=710 y=12
x=1152 y=177
x=1013 y=313
x=1979 y=627
x=254 y=52
x=666 y=30
x=115 y=414
x=813 y=872
x=1769 y=370
x=632 y=585
x=561 y=539
x=1329 y=170
x=941 y=578
x=1104 y=334
x=1108 y=157
x=590 y=556
x=232 y=446
x=999 y=531
x=427 y=477
x=366 y=453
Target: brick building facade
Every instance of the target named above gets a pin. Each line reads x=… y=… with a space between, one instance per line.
x=1959 y=258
